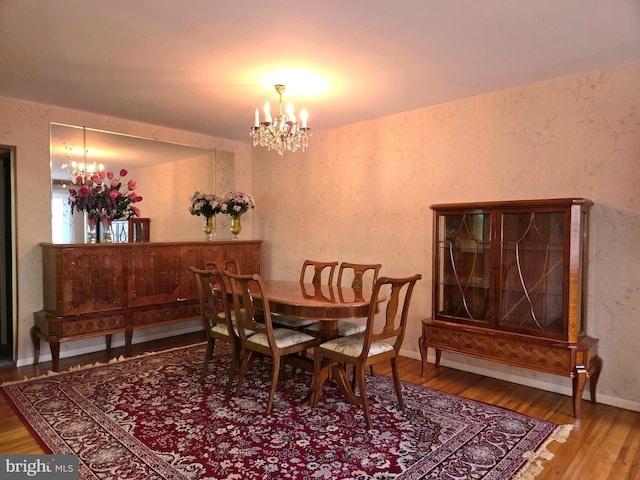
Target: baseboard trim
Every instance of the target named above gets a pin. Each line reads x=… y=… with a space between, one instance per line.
x=140 y=336
x=564 y=388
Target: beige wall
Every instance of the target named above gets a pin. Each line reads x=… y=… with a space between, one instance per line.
x=362 y=192
x=25 y=125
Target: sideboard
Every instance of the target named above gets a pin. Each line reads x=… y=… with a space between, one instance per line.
x=101 y=289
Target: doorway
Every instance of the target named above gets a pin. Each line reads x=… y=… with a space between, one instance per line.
x=6 y=257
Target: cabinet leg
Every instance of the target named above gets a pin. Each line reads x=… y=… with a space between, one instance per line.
x=35 y=340
x=422 y=343
x=128 y=338
x=108 y=341
x=579 y=379
x=54 y=344
x=438 y=356
x=595 y=368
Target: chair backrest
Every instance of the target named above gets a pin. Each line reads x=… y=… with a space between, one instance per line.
x=395 y=312
x=318 y=269
x=251 y=305
x=357 y=272
x=222 y=265
x=214 y=307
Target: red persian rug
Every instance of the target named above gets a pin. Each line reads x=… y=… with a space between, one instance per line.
x=150 y=417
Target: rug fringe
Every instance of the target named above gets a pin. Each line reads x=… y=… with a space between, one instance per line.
x=533 y=467
x=75 y=368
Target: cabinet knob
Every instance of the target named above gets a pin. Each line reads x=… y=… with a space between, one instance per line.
x=180 y=299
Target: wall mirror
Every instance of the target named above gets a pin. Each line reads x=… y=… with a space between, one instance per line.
x=166 y=174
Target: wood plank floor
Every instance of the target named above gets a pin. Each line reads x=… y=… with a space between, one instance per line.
x=604 y=444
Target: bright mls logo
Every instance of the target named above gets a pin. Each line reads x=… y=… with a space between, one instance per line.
x=52 y=467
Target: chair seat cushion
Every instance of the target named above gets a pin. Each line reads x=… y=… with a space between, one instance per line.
x=344 y=328
x=291 y=321
x=222 y=328
x=283 y=337
x=351 y=346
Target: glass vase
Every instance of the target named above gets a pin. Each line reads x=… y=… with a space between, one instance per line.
x=209 y=229
x=91 y=231
x=107 y=234
x=235 y=226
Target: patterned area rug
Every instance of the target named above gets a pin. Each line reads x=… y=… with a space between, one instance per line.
x=150 y=417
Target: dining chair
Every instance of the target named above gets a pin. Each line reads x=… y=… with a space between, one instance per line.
x=377 y=343
x=356 y=272
x=249 y=294
x=318 y=269
x=312 y=272
x=217 y=318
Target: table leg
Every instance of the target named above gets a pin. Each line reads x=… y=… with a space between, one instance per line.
x=328 y=330
x=336 y=372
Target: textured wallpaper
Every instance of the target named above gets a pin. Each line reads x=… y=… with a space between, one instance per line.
x=361 y=193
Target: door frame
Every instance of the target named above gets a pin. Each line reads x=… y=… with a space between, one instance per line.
x=8 y=301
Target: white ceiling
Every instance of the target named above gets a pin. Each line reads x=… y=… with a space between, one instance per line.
x=198 y=65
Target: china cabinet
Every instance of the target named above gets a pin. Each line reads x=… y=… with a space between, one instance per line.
x=510 y=285
x=102 y=289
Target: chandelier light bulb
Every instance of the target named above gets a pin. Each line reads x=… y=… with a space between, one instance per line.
x=267 y=112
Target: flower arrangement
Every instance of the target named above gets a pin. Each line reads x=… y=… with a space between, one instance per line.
x=236 y=203
x=205 y=204
x=105 y=197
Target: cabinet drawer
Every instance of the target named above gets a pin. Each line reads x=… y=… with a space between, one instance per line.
x=163 y=314
x=554 y=359
x=102 y=324
x=463 y=341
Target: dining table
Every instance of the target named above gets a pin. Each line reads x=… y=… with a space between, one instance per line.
x=327 y=304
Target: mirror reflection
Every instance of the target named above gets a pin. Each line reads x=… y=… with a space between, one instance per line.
x=166 y=176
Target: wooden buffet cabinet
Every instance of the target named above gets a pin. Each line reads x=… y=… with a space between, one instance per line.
x=510 y=285
x=102 y=289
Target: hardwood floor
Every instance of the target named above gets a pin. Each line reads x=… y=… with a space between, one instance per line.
x=604 y=444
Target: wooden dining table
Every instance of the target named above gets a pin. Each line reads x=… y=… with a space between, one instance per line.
x=327 y=304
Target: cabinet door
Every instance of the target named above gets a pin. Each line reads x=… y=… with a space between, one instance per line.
x=532 y=272
x=90 y=280
x=247 y=255
x=463 y=288
x=152 y=274
x=198 y=256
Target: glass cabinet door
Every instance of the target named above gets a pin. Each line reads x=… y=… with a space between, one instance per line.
x=532 y=272
x=463 y=289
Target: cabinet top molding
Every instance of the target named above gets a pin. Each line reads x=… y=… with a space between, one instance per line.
x=519 y=204
x=149 y=244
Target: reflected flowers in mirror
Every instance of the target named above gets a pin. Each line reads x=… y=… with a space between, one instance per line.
x=104 y=196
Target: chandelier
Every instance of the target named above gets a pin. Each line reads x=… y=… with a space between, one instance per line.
x=281 y=132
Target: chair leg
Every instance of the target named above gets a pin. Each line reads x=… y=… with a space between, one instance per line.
x=274 y=383
x=207 y=357
x=396 y=382
x=359 y=373
x=353 y=377
x=246 y=363
x=233 y=368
